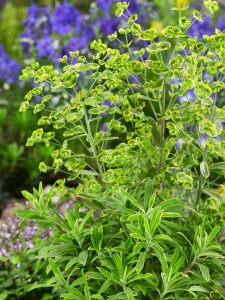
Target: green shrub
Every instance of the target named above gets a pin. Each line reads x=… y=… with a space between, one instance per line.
x=147 y=222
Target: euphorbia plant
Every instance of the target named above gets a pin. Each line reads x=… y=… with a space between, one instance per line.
x=151 y=224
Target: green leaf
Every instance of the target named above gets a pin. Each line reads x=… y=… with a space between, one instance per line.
x=85 y=219
x=213 y=193
x=148 y=194
x=107 y=274
x=72 y=262
x=173 y=32
x=152 y=200
x=132 y=200
x=217 y=166
x=213 y=234
x=38 y=286
x=197 y=15
x=118 y=296
x=179 y=263
x=77 y=282
x=119 y=263
x=70 y=220
x=4 y=295
x=29 y=197
x=15 y=259
x=205 y=271
x=162 y=258
x=141 y=277
x=105 y=286
x=86 y=287
x=141 y=262
x=197 y=288
x=158 y=47
x=204 y=169
x=56 y=271
x=185 y=179
x=167 y=204
x=171 y=215
x=173 y=171
x=97 y=237
x=155 y=221
x=82 y=257
x=202 y=90
x=69 y=296
x=129 y=293
x=76 y=296
x=212 y=6
x=95 y=275
x=54 y=267
x=97 y=296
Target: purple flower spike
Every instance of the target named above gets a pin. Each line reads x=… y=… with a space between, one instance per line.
x=107 y=25
x=9 y=68
x=46 y=47
x=104 y=4
x=66 y=17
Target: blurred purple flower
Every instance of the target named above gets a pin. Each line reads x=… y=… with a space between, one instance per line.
x=9 y=68
x=104 y=4
x=108 y=103
x=202 y=140
x=107 y=25
x=26 y=40
x=66 y=18
x=78 y=42
x=2 y=3
x=53 y=32
x=178 y=144
x=134 y=6
x=32 y=16
x=189 y=96
x=14 y=239
x=38 y=22
x=46 y=47
x=200 y=28
x=104 y=127
x=38 y=17
x=221 y=23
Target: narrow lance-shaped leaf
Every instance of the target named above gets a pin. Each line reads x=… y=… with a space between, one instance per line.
x=204 y=271
x=204 y=169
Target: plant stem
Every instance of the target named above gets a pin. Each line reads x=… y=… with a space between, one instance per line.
x=199 y=191
x=162 y=124
x=189 y=267
x=91 y=141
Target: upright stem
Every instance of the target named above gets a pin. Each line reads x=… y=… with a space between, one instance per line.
x=162 y=123
x=91 y=141
x=162 y=130
x=199 y=191
x=190 y=267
